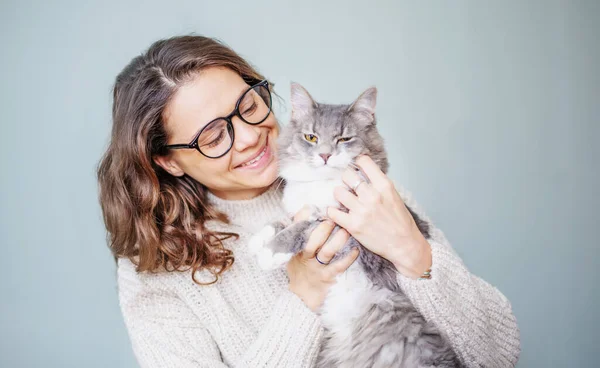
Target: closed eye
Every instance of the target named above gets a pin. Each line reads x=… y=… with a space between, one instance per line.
x=217 y=140
x=250 y=110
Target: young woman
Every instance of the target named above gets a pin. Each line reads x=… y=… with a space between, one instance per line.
x=191 y=173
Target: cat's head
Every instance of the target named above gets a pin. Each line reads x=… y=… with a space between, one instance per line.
x=321 y=140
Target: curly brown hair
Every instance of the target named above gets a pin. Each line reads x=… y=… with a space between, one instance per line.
x=153 y=218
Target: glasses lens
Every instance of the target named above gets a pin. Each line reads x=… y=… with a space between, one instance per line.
x=255 y=105
x=215 y=139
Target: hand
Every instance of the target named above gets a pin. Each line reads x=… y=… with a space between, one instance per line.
x=309 y=279
x=380 y=221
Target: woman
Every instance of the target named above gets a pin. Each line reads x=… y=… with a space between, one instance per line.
x=180 y=206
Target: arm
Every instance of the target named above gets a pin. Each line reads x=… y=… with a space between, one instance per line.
x=164 y=332
x=475 y=316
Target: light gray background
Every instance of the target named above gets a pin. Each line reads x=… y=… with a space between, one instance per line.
x=490 y=110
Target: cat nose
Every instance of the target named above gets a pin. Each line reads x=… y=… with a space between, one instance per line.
x=325 y=156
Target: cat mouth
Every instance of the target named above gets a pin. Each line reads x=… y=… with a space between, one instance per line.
x=328 y=167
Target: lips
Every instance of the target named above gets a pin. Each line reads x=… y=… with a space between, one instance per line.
x=256 y=157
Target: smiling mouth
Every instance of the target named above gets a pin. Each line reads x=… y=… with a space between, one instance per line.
x=256 y=158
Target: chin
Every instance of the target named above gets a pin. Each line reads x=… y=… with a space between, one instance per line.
x=329 y=172
x=302 y=171
x=266 y=177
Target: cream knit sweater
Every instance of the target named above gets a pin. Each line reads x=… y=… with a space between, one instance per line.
x=250 y=318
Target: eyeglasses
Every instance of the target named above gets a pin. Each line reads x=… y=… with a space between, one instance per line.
x=215 y=139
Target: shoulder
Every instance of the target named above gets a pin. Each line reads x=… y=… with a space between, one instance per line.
x=132 y=284
x=138 y=288
x=152 y=298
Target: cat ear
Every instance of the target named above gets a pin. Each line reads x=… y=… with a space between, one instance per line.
x=302 y=103
x=363 y=109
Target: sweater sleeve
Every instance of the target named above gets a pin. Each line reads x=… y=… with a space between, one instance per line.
x=290 y=338
x=165 y=332
x=475 y=316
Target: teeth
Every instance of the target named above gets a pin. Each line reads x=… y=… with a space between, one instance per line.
x=252 y=162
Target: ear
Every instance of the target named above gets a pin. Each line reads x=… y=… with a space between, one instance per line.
x=363 y=108
x=168 y=164
x=302 y=103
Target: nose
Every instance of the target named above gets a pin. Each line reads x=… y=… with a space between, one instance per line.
x=246 y=135
x=325 y=156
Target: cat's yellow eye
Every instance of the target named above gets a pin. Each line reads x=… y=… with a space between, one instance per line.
x=345 y=139
x=311 y=138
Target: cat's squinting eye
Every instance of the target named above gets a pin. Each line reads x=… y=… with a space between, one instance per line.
x=344 y=139
x=311 y=138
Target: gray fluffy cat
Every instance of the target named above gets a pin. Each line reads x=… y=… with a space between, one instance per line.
x=368 y=320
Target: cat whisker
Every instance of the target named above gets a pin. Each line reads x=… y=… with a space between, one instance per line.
x=281 y=181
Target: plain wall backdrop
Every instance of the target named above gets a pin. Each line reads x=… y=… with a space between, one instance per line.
x=490 y=112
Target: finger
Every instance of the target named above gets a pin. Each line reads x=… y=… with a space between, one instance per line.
x=346 y=198
x=316 y=239
x=373 y=172
x=341 y=218
x=333 y=245
x=303 y=214
x=342 y=264
x=350 y=177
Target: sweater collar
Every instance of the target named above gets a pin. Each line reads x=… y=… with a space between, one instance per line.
x=252 y=213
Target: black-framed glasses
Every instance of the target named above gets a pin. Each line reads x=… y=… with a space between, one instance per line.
x=215 y=139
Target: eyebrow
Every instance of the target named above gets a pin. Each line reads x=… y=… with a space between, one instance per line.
x=222 y=116
x=240 y=96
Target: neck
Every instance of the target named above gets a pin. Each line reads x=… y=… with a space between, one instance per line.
x=238 y=194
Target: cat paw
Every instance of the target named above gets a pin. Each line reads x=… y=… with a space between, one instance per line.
x=314 y=217
x=261 y=238
x=317 y=214
x=258 y=246
x=268 y=260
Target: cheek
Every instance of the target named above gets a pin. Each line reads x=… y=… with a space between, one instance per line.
x=272 y=130
x=271 y=124
x=305 y=151
x=341 y=159
x=293 y=153
x=207 y=171
x=273 y=135
x=275 y=129
x=344 y=156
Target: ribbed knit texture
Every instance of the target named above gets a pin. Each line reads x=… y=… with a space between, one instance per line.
x=250 y=318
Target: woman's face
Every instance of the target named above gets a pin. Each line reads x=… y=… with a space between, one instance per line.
x=213 y=93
